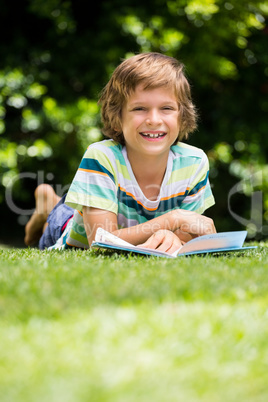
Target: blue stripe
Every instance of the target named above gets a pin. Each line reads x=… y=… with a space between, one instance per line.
x=163 y=207
x=117 y=151
x=171 y=203
x=93 y=164
x=188 y=150
x=184 y=162
x=193 y=206
x=199 y=185
x=93 y=190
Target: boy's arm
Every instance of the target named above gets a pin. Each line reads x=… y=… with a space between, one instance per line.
x=187 y=221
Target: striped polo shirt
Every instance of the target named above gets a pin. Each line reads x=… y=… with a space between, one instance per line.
x=105 y=180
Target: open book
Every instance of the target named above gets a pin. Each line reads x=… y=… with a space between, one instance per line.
x=212 y=243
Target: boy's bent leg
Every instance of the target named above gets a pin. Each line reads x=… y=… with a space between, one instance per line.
x=45 y=201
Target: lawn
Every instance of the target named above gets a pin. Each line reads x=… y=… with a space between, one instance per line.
x=79 y=326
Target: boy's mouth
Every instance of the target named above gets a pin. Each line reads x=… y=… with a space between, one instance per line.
x=153 y=135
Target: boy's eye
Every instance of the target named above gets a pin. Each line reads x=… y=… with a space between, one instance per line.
x=142 y=108
x=138 y=108
x=168 y=108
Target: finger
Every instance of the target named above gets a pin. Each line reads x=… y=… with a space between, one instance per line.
x=169 y=242
x=169 y=247
x=209 y=226
x=155 y=240
x=184 y=236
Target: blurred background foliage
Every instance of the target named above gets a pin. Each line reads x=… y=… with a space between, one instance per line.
x=56 y=56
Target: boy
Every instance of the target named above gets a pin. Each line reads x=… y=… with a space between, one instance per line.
x=142 y=184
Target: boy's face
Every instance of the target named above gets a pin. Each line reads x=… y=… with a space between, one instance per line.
x=150 y=121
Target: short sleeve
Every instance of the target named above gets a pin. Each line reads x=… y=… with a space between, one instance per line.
x=95 y=182
x=199 y=195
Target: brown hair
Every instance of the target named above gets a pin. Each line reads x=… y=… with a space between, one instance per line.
x=153 y=70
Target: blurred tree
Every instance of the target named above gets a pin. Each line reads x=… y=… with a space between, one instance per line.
x=58 y=56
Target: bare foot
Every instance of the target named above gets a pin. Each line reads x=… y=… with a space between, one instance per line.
x=45 y=201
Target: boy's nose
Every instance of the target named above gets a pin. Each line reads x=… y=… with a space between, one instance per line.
x=153 y=118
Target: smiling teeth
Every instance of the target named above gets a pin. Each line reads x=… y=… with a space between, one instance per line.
x=153 y=135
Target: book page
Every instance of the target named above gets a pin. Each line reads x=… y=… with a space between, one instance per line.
x=215 y=241
x=106 y=238
x=102 y=236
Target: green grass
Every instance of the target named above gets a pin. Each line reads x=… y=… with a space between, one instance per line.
x=77 y=326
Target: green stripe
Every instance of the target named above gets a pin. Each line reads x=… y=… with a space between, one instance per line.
x=182 y=173
x=101 y=203
x=102 y=158
x=91 y=201
x=79 y=187
x=77 y=237
x=79 y=229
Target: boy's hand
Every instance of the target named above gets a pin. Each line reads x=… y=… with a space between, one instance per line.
x=193 y=223
x=184 y=236
x=163 y=240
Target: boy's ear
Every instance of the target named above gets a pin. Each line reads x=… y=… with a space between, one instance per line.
x=116 y=123
x=117 y=127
